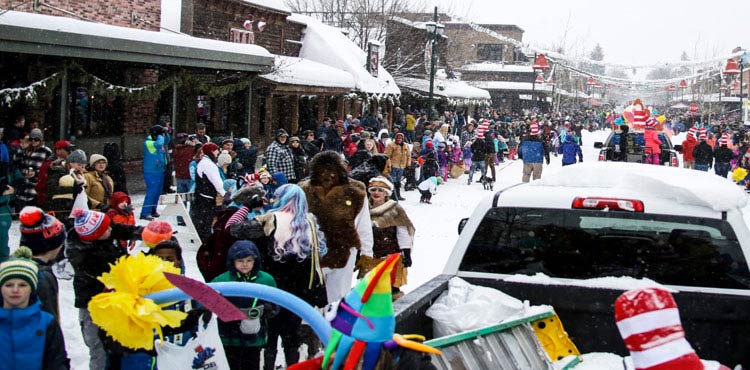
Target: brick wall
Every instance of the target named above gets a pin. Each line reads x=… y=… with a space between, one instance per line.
x=114 y=12
x=214 y=18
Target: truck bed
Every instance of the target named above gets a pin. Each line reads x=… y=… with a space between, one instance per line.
x=717 y=325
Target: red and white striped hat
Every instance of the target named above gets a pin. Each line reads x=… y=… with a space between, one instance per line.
x=651 y=123
x=534 y=128
x=724 y=140
x=649 y=323
x=692 y=131
x=702 y=135
x=484 y=126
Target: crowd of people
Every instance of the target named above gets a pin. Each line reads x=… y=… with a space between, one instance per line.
x=321 y=206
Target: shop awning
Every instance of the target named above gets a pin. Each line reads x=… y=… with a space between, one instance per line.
x=510 y=86
x=30 y=33
x=304 y=72
x=456 y=92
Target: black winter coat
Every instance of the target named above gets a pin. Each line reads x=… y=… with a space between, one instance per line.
x=90 y=260
x=722 y=154
x=703 y=153
x=47 y=289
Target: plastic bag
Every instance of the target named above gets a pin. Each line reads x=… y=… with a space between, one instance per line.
x=466 y=307
x=204 y=351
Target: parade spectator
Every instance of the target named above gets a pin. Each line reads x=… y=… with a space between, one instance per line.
x=99 y=187
x=62 y=149
x=311 y=145
x=65 y=180
x=279 y=158
x=183 y=153
x=532 y=152
x=300 y=159
x=243 y=340
x=571 y=150
x=28 y=161
x=393 y=231
x=208 y=184
x=411 y=126
x=6 y=194
x=428 y=188
x=653 y=142
x=478 y=152
x=703 y=153
x=23 y=322
x=200 y=133
x=154 y=165
x=688 y=145
x=121 y=211
x=45 y=236
x=115 y=168
x=247 y=156
x=400 y=157
x=92 y=248
x=722 y=157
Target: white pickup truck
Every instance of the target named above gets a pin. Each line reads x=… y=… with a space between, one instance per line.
x=562 y=240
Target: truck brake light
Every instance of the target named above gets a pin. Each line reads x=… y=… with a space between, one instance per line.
x=608 y=204
x=674 y=161
x=601 y=157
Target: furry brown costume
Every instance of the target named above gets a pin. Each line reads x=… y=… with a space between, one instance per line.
x=335 y=200
x=385 y=218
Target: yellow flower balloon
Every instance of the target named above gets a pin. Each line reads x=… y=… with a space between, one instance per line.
x=123 y=313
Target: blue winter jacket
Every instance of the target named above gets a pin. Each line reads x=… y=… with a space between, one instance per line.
x=531 y=151
x=155 y=154
x=571 y=149
x=23 y=333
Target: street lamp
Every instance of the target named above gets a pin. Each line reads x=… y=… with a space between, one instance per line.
x=434 y=30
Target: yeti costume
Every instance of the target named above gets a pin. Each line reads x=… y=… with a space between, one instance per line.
x=344 y=217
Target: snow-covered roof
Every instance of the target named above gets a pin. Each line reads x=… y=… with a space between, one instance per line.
x=509 y=85
x=300 y=71
x=327 y=45
x=50 y=35
x=277 y=5
x=496 y=67
x=678 y=185
x=444 y=88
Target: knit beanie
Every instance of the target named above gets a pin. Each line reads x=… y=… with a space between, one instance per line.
x=209 y=148
x=20 y=266
x=78 y=156
x=96 y=158
x=90 y=225
x=429 y=145
x=224 y=158
x=39 y=231
x=242 y=249
x=156 y=232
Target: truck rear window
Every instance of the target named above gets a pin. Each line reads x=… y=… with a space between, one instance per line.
x=583 y=244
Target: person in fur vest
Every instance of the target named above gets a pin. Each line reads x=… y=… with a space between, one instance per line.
x=392 y=231
x=340 y=204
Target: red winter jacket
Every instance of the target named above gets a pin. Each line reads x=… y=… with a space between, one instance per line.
x=687 y=149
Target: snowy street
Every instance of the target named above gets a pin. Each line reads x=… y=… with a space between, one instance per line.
x=436 y=232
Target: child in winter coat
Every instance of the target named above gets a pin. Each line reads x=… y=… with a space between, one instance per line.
x=243 y=340
x=33 y=337
x=430 y=166
x=442 y=159
x=428 y=188
x=121 y=212
x=571 y=150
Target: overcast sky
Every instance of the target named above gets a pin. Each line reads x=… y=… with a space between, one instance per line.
x=636 y=31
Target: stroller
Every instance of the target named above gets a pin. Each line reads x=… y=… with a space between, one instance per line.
x=410 y=174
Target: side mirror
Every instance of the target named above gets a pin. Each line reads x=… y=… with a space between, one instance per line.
x=461 y=224
x=598 y=145
x=678 y=148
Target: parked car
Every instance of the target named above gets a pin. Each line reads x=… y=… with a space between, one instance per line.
x=686 y=230
x=610 y=149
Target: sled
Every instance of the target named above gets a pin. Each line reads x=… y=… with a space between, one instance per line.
x=511 y=345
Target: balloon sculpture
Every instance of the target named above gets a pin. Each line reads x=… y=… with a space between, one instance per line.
x=363 y=323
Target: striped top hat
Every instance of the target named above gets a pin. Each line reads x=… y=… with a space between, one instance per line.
x=724 y=140
x=692 y=132
x=534 y=128
x=651 y=123
x=649 y=323
x=702 y=135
